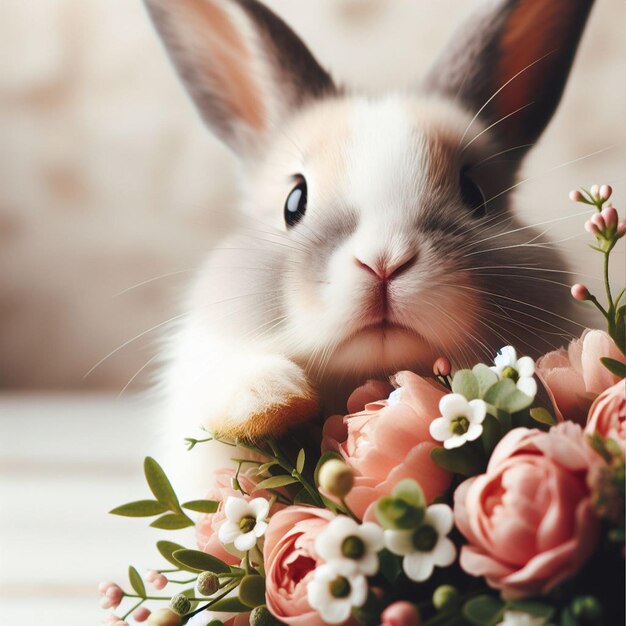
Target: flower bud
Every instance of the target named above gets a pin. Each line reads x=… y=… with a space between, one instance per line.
x=605 y=192
x=446 y=597
x=180 y=604
x=151 y=575
x=610 y=217
x=598 y=221
x=591 y=228
x=141 y=614
x=207 y=584
x=595 y=191
x=587 y=609
x=580 y=292
x=575 y=195
x=336 y=478
x=160 y=582
x=262 y=617
x=442 y=367
x=164 y=617
x=621 y=229
x=400 y=614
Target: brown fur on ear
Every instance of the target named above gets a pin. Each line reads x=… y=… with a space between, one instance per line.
x=244 y=67
x=537 y=47
x=509 y=62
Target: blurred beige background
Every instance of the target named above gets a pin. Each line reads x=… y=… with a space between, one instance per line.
x=108 y=179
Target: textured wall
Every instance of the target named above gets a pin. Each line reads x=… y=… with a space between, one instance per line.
x=108 y=179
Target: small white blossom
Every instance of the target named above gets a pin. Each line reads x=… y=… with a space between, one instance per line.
x=427 y=546
x=245 y=522
x=461 y=421
x=520 y=371
x=516 y=618
x=358 y=544
x=335 y=590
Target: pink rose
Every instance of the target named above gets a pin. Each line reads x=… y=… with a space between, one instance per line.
x=208 y=525
x=607 y=416
x=529 y=520
x=574 y=377
x=290 y=560
x=389 y=441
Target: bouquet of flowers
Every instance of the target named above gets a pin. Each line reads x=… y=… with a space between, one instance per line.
x=468 y=498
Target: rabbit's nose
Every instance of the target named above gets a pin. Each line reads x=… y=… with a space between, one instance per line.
x=387 y=270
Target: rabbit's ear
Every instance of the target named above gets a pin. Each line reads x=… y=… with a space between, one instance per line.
x=509 y=64
x=244 y=67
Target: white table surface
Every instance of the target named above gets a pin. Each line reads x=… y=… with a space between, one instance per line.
x=65 y=460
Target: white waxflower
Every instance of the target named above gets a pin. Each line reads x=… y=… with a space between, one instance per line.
x=461 y=421
x=516 y=618
x=335 y=589
x=358 y=544
x=520 y=371
x=427 y=546
x=245 y=522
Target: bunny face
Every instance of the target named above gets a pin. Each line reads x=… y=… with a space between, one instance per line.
x=372 y=280
x=378 y=232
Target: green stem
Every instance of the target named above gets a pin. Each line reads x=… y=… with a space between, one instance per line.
x=349 y=511
x=598 y=306
x=211 y=603
x=134 y=608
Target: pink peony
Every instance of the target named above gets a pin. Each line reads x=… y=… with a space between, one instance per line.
x=575 y=377
x=208 y=525
x=529 y=520
x=607 y=416
x=389 y=441
x=290 y=560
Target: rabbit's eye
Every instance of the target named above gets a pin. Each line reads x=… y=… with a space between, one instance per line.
x=295 y=207
x=472 y=194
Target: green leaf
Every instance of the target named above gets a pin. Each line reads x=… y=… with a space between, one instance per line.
x=304 y=497
x=140 y=508
x=196 y=561
x=202 y=506
x=230 y=605
x=160 y=485
x=532 y=607
x=465 y=383
x=396 y=514
x=266 y=467
x=492 y=433
x=167 y=549
x=252 y=591
x=516 y=402
x=567 y=618
x=390 y=566
x=191 y=593
x=543 y=416
x=486 y=378
x=615 y=367
x=482 y=610
x=136 y=582
x=500 y=392
x=301 y=460
x=464 y=461
x=325 y=457
x=172 y=521
x=274 y=482
x=620 y=328
x=411 y=492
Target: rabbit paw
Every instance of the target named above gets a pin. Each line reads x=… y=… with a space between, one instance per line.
x=271 y=395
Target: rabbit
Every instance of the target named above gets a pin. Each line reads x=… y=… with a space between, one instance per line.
x=377 y=232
